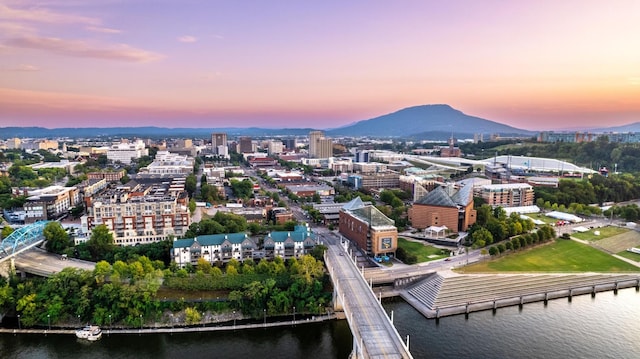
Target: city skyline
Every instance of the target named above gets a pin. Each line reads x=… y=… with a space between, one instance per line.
x=535 y=65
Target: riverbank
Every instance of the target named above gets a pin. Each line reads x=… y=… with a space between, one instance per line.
x=158 y=329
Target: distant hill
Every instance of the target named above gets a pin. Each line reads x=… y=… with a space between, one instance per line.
x=428 y=122
x=631 y=127
x=146 y=132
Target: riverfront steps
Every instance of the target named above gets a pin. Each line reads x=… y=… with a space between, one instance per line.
x=170 y=330
x=442 y=295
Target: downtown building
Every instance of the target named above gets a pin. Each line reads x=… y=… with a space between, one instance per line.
x=125 y=151
x=320 y=146
x=140 y=213
x=368 y=228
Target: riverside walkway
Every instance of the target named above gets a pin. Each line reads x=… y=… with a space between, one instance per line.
x=206 y=327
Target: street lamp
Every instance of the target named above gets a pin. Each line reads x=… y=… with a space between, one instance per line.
x=203 y=319
x=265 y=317
x=110 y=324
x=19 y=324
x=294 y=314
x=140 y=321
x=49 y=321
x=234 y=320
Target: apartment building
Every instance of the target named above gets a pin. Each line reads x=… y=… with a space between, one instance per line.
x=167 y=163
x=508 y=195
x=141 y=213
x=49 y=203
x=224 y=247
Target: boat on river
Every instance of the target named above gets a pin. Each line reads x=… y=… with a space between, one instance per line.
x=90 y=333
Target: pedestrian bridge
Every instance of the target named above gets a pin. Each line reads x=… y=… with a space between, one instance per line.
x=21 y=249
x=374 y=335
x=22 y=239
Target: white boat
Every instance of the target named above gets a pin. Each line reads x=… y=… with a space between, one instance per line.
x=90 y=333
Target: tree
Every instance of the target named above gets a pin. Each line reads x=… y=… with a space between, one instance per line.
x=6 y=231
x=57 y=239
x=190 y=184
x=100 y=243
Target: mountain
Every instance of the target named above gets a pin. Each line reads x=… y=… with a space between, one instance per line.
x=427 y=121
x=631 y=127
x=149 y=132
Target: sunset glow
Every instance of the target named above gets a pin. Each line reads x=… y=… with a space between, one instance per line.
x=105 y=63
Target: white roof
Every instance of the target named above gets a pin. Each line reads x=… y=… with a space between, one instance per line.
x=564 y=216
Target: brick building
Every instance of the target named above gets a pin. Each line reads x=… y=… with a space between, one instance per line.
x=368 y=228
x=444 y=207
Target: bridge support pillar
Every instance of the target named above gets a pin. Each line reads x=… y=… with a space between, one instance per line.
x=546 y=298
x=615 y=290
x=570 y=294
x=593 y=291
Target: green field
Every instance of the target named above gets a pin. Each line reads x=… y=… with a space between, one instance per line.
x=605 y=232
x=424 y=252
x=560 y=256
x=543 y=218
x=630 y=255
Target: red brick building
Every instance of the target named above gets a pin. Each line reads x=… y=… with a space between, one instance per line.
x=368 y=228
x=441 y=208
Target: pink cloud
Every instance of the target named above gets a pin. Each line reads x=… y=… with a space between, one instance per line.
x=187 y=39
x=36 y=14
x=121 y=52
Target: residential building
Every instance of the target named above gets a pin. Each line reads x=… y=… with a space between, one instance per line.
x=381 y=180
x=224 y=247
x=109 y=176
x=508 y=195
x=213 y=248
x=368 y=228
x=49 y=203
x=444 y=207
x=138 y=213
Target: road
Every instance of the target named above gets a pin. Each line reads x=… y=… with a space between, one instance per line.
x=39 y=262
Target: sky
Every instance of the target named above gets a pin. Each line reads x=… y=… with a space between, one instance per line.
x=531 y=64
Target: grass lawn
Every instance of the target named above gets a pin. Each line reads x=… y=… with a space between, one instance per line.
x=542 y=217
x=560 y=256
x=605 y=232
x=424 y=252
x=630 y=255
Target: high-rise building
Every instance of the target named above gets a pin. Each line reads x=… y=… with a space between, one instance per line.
x=246 y=145
x=217 y=140
x=319 y=146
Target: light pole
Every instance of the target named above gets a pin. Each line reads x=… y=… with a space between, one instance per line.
x=203 y=319
x=79 y=319
x=294 y=315
x=265 y=317
x=140 y=321
x=49 y=321
x=19 y=324
x=110 y=324
x=234 y=320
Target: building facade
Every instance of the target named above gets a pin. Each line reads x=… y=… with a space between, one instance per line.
x=124 y=152
x=449 y=207
x=508 y=195
x=368 y=228
x=140 y=214
x=224 y=247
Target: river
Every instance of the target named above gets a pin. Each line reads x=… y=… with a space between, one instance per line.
x=607 y=326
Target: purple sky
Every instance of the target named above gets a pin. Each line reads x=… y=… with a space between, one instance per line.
x=531 y=64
